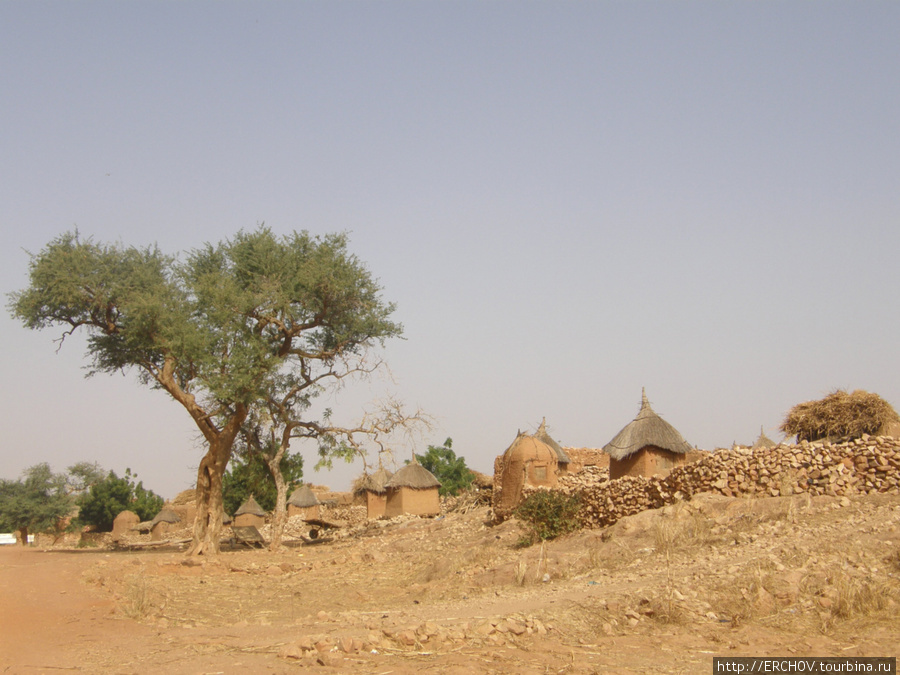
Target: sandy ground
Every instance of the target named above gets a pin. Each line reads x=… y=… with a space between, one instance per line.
x=660 y=592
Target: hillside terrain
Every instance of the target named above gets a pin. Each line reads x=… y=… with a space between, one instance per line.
x=660 y=591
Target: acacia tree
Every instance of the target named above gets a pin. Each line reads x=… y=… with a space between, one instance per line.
x=216 y=331
x=282 y=417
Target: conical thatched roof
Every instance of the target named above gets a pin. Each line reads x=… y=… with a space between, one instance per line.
x=373 y=482
x=415 y=476
x=166 y=516
x=842 y=416
x=763 y=441
x=251 y=507
x=647 y=428
x=303 y=497
x=542 y=435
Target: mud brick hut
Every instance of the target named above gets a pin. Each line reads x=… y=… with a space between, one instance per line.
x=304 y=503
x=529 y=460
x=648 y=446
x=250 y=513
x=123 y=524
x=413 y=490
x=162 y=523
x=371 y=488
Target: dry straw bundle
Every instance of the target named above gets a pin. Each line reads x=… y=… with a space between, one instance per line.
x=841 y=416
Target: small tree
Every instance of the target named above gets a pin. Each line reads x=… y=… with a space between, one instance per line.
x=249 y=474
x=107 y=498
x=273 y=424
x=40 y=502
x=449 y=469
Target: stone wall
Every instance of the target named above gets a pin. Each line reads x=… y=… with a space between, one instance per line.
x=864 y=466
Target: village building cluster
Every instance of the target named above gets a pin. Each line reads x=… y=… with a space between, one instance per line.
x=646 y=449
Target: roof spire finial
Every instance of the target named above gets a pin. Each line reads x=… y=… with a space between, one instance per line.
x=644 y=402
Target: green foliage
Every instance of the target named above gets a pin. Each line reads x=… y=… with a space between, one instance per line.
x=145 y=503
x=37 y=503
x=249 y=474
x=449 y=469
x=548 y=514
x=105 y=499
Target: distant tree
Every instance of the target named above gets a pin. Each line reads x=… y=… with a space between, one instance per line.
x=39 y=502
x=249 y=474
x=105 y=499
x=83 y=475
x=145 y=503
x=218 y=331
x=451 y=470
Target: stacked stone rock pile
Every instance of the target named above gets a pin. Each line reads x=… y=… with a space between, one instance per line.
x=862 y=466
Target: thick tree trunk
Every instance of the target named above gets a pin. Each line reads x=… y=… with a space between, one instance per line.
x=208 y=523
x=280 y=518
x=274 y=463
x=23 y=536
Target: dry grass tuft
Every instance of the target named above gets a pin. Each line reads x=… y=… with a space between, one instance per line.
x=135 y=602
x=857 y=597
x=682 y=530
x=521 y=569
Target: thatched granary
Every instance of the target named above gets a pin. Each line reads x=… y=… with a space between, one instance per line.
x=562 y=459
x=372 y=488
x=303 y=502
x=413 y=490
x=527 y=461
x=842 y=417
x=647 y=446
x=162 y=523
x=763 y=441
x=250 y=513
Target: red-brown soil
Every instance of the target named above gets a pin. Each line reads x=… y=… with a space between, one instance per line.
x=660 y=592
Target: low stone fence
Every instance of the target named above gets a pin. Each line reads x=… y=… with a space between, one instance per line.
x=863 y=466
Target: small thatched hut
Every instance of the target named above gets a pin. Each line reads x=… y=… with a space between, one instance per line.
x=647 y=446
x=763 y=441
x=250 y=513
x=162 y=523
x=372 y=488
x=842 y=417
x=303 y=502
x=414 y=490
x=527 y=461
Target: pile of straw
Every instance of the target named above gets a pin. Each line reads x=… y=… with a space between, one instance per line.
x=840 y=416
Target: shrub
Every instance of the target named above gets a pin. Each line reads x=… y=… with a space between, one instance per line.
x=450 y=470
x=548 y=514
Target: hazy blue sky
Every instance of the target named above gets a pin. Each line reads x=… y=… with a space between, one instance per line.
x=567 y=201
